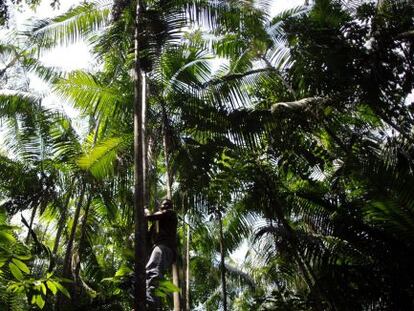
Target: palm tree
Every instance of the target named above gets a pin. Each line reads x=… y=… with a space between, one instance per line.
x=310 y=158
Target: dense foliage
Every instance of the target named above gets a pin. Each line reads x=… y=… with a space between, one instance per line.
x=287 y=139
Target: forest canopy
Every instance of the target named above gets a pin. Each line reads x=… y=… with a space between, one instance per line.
x=285 y=143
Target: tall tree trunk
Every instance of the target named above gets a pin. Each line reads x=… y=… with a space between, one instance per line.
x=150 y=167
x=186 y=262
x=166 y=146
x=222 y=264
x=62 y=220
x=68 y=255
x=187 y=272
x=32 y=217
x=76 y=273
x=176 y=279
x=69 y=247
x=145 y=147
x=139 y=194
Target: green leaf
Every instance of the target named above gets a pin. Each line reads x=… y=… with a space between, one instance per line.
x=63 y=290
x=23 y=257
x=160 y=293
x=15 y=271
x=100 y=160
x=51 y=285
x=43 y=287
x=328 y=110
x=165 y=288
x=69 y=27
x=169 y=286
x=123 y=271
x=7 y=237
x=22 y=266
x=40 y=301
x=15 y=288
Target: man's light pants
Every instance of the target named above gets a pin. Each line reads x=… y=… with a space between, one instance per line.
x=161 y=259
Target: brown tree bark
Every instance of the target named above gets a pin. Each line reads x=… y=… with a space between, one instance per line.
x=69 y=247
x=140 y=229
x=62 y=220
x=176 y=279
x=187 y=273
x=222 y=263
x=32 y=217
x=78 y=283
x=68 y=255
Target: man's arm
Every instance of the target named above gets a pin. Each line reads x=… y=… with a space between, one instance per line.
x=155 y=216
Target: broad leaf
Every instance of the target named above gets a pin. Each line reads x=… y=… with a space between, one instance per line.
x=22 y=266
x=17 y=273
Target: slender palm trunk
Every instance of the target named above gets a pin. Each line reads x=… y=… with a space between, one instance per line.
x=68 y=255
x=222 y=264
x=32 y=217
x=150 y=167
x=139 y=194
x=76 y=257
x=176 y=279
x=62 y=221
x=186 y=263
x=144 y=141
x=166 y=152
x=187 y=273
x=82 y=239
x=69 y=247
x=154 y=180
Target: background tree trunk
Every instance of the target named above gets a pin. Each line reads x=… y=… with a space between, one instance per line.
x=187 y=272
x=139 y=194
x=62 y=220
x=176 y=279
x=68 y=255
x=79 y=252
x=222 y=264
x=32 y=217
x=69 y=247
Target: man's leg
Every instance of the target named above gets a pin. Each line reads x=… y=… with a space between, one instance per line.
x=161 y=258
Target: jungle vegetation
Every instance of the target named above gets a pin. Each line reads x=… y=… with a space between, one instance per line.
x=287 y=139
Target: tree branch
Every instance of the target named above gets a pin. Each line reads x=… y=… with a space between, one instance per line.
x=235 y=76
x=11 y=64
x=406 y=35
x=301 y=103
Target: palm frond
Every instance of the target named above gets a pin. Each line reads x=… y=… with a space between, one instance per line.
x=13 y=103
x=89 y=94
x=78 y=23
x=100 y=160
x=240 y=276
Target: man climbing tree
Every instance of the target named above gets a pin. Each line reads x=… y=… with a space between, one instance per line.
x=163 y=235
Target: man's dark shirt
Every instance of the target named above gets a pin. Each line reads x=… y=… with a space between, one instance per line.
x=167 y=229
